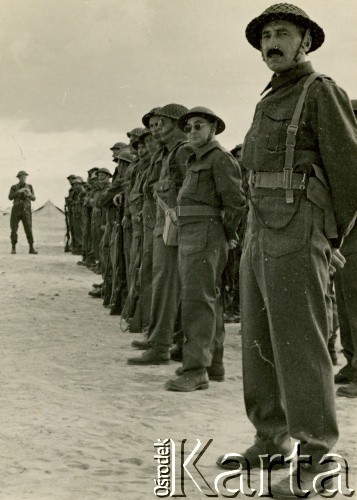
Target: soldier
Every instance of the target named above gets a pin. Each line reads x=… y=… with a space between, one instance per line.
x=212 y=187
x=87 y=251
x=22 y=194
x=68 y=210
x=346 y=296
x=299 y=177
x=165 y=283
x=77 y=203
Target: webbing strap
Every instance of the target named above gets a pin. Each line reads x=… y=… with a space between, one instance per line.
x=291 y=139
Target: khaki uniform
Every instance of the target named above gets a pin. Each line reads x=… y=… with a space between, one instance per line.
x=212 y=186
x=166 y=288
x=287 y=372
x=21 y=211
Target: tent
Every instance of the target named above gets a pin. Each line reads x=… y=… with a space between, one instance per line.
x=49 y=209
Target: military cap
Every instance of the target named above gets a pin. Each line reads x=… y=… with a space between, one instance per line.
x=173 y=111
x=93 y=169
x=125 y=155
x=78 y=180
x=105 y=171
x=22 y=172
x=286 y=12
x=72 y=176
x=135 y=132
x=141 y=138
x=204 y=113
x=119 y=145
x=150 y=114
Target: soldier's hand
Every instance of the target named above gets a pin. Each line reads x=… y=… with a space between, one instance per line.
x=232 y=244
x=337 y=260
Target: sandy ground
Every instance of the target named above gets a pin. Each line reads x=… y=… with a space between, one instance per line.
x=76 y=421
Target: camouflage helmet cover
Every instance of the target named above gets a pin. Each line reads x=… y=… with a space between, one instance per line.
x=287 y=12
x=173 y=111
x=204 y=113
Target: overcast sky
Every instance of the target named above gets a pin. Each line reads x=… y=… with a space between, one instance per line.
x=76 y=75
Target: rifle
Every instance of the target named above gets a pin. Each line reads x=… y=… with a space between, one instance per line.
x=67 y=247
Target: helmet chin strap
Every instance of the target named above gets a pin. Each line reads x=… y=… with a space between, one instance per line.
x=301 y=51
x=211 y=134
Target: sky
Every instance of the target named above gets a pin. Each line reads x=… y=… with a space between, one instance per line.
x=76 y=75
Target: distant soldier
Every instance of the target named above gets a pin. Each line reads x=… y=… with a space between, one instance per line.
x=22 y=194
x=68 y=210
x=77 y=203
x=300 y=153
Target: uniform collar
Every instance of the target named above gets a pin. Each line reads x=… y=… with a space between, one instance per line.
x=206 y=148
x=292 y=74
x=174 y=142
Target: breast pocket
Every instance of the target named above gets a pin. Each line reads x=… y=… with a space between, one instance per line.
x=196 y=175
x=277 y=122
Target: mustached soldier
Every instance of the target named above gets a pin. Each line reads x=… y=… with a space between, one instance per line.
x=300 y=153
x=22 y=194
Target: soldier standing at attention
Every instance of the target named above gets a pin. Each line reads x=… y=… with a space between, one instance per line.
x=210 y=204
x=22 y=194
x=165 y=283
x=300 y=153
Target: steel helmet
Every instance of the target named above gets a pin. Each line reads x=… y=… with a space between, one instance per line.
x=22 y=172
x=173 y=111
x=105 y=171
x=135 y=132
x=119 y=145
x=147 y=116
x=125 y=155
x=204 y=113
x=286 y=12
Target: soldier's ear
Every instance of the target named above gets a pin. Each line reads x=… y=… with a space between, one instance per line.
x=306 y=41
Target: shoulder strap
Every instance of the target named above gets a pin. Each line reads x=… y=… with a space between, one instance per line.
x=291 y=138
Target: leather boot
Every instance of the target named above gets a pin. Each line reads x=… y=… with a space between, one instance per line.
x=298 y=485
x=187 y=382
x=346 y=375
x=348 y=391
x=96 y=294
x=143 y=345
x=13 y=249
x=251 y=456
x=32 y=250
x=153 y=356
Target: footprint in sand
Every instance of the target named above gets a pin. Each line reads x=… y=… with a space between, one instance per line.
x=77 y=465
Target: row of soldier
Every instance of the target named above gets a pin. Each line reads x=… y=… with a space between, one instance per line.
x=117 y=223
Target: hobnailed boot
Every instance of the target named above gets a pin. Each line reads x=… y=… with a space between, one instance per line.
x=32 y=250
x=13 y=249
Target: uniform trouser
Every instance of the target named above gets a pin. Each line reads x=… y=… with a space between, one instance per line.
x=146 y=276
x=20 y=213
x=203 y=254
x=87 y=237
x=287 y=371
x=97 y=233
x=346 y=296
x=166 y=292
x=77 y=237
x=105 y=245
x=127 y=235
x=113 y=252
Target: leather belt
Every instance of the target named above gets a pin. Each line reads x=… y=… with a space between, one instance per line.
x=275 y=180
x=197 y=210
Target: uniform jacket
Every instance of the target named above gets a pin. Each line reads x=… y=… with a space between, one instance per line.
x=326 y=137
x=173 y=170
x=20 y=199
x=213 y=178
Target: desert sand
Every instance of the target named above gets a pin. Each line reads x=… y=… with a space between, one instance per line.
x=77 y=422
